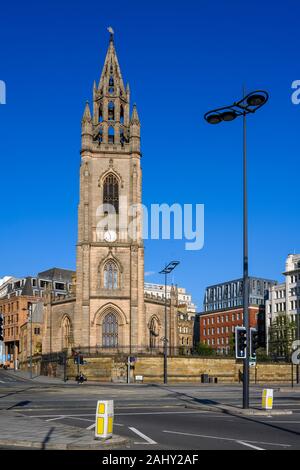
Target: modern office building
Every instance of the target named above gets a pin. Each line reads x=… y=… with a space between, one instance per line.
x=223 y=311
x=230 y=294
x=283 y=309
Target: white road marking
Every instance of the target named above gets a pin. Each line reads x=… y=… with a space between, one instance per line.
x=249 y=445
x=2 y=382
x=143 y=436
x=226 y=438
x=131 y=414
x=162 y=413
x=55 y=419
x=92 y=426
x=80 y=419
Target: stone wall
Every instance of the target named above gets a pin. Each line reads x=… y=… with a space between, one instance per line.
x=180 y=370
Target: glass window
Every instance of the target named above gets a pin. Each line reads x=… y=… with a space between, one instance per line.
x=110 y=275
x=110 y=331
x=111 y=192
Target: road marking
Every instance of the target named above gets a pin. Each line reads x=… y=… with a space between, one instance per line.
x=2 y=382
x=249 y=445
x=130 y=414
x=92 y=426
x=162 y=413
x=80 y=419
x=227 y=438
x=55 y=419
x=143 y=436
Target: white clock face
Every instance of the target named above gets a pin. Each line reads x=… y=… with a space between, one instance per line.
x=110 y=236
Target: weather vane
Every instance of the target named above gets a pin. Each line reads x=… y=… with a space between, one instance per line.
x=111 y=31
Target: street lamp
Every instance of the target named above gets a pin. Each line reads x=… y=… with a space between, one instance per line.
x=29 y=310
x=167 y=270
x=247 y=105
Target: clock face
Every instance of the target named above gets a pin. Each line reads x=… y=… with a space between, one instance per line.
x=110 y=236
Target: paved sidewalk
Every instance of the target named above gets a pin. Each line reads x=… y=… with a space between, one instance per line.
x=23 y=431
x=22 y=374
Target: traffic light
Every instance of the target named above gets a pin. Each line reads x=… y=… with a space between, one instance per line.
x=1 y=328
x=240 y=342
x=254 y=343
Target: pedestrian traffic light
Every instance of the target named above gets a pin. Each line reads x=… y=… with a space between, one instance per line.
x=240 y=342
x=1 y=328
x=254 y=343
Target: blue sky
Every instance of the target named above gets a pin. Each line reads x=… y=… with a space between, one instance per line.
x=181 y=59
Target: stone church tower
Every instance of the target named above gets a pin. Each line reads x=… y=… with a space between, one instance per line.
x=108 y=310
x=110 y=262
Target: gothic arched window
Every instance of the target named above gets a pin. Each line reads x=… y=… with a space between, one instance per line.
x=111 y=85
x=100 y=114
x=110 y=331
x=111 y=135
x=153 y=333
x=100 y=134
x=111 y=274
x=122 y=115
x=122 y=137
x=111 y=111
x=111 y=192
x=66 y=333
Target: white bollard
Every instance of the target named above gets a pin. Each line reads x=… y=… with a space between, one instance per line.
x=104 y=419
x=267 y=399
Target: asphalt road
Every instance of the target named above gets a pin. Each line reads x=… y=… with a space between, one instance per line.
x=161 y=417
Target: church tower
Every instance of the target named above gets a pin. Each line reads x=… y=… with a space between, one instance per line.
x=110 y=310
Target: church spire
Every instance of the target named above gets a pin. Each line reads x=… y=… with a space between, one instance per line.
x=110 y=123
x=135 y=117
x=87 y=113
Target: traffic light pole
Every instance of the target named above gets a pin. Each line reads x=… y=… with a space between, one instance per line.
x=30 y=307
x=246 y=273
x=166 y=337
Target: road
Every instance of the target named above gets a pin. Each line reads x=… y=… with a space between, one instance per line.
x=161 y=417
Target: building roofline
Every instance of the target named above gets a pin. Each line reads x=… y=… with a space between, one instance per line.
x=241 y=279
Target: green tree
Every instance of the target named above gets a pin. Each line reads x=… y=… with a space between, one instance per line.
x=204 y=350
x=282 y=333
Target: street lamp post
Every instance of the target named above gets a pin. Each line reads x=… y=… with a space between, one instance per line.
x=29 y=310
x=167 y=270
x=249 y=104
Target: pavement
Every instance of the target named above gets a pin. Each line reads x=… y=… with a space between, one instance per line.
x=27 y=432
x=150 y=417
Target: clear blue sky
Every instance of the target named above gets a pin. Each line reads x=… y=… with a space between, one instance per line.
x=181 y=58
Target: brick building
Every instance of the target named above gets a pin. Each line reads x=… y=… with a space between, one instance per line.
x=217 y=328
x=31 y=334
x=14 y=311
x=16 y=294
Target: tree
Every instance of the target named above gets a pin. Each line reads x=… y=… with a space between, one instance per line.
x=282 y=333
x=204 y=350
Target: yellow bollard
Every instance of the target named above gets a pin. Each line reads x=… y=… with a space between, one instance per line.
x=267 y=399
x=104 y=419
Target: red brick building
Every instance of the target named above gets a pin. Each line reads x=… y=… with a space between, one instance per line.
x=217 y=328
